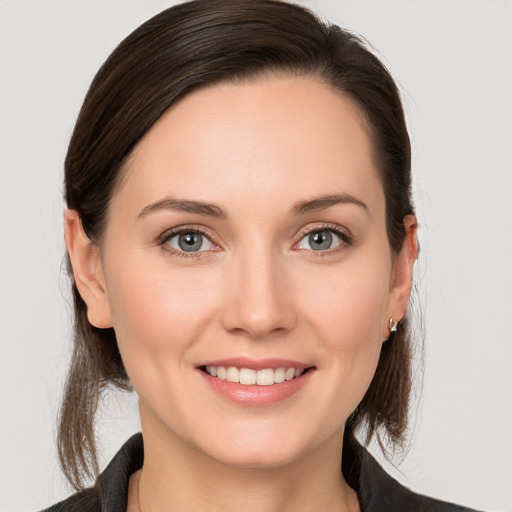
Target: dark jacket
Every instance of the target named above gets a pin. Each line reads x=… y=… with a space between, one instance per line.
x=377 y=491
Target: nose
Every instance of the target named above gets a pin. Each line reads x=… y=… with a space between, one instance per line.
x=258 y=296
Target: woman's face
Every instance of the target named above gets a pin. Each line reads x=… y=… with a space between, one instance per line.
x=247 y=240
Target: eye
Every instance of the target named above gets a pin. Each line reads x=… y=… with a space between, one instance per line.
x=321 y=240
x=189 y=241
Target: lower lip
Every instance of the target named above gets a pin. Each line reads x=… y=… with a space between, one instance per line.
x=256 y=396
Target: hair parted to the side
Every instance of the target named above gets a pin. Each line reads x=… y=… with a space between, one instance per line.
x=186 y=47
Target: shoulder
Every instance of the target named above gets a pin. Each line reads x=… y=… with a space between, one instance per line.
x=110 y=491
x=84 y=501
x=388 y=494
x=379 y=492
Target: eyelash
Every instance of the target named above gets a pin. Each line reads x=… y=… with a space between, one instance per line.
x=165 y=237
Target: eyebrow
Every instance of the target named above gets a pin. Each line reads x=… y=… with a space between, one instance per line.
x=185 y=205
x=213 y=210
x=324 y=202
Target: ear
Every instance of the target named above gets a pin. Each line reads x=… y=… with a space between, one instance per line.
x=401 y=278
x=87 y=270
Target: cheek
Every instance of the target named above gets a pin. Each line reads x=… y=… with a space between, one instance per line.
x=346 y=314
x=157 y=310
x=349 y=306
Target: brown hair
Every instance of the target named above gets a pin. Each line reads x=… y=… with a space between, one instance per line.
x=183 y=48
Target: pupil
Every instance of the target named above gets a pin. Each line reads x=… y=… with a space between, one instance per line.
x=190 y=241
x=320 y=240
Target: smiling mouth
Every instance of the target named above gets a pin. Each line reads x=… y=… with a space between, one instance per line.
x=250 y=377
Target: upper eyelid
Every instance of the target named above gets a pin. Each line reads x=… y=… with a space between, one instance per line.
x=325 y=227
x=169 y=233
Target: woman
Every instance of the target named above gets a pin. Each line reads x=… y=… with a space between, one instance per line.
x=241 y=239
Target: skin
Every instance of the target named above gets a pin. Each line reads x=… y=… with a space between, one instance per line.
x=256 y=289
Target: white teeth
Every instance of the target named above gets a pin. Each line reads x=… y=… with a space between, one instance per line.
x=290 y=373
x=280 y=375
x=232 y=374
x=265 y=377
x=249 y=377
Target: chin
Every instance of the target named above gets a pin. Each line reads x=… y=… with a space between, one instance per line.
x=266 y=448
x=248 y=458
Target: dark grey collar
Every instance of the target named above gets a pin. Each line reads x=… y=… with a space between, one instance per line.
x=377 y=491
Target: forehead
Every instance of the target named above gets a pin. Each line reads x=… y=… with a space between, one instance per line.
x=263 y=140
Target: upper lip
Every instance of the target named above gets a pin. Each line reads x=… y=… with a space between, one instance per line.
x=256 y=364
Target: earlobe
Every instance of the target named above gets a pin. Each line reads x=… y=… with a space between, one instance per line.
x=87 y=270
x=402 y=270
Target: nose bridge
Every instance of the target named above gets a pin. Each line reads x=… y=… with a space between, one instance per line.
x=259 y=300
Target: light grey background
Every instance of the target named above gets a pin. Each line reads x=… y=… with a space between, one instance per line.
x=453 y=60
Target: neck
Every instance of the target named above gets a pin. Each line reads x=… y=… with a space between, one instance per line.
x=176 y=477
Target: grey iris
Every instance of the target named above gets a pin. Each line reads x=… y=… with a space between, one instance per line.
x=320 y=240
x=190 y=242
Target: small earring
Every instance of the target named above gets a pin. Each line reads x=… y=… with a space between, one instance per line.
x=393 y=326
